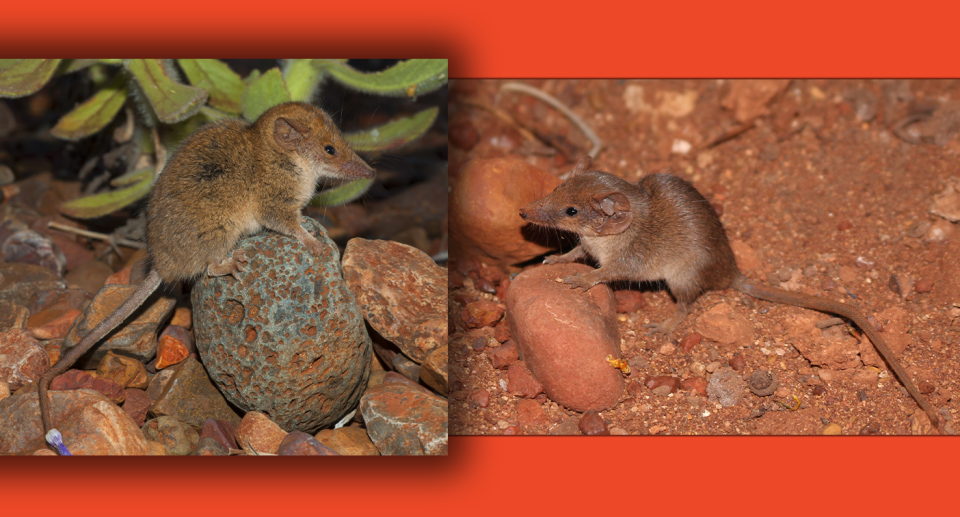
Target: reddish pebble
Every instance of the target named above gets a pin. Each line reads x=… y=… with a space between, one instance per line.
x=53 y=324
x=463 y=135
x=512 y=431
x=209 y=447
x=818 y=390
x=221 y=431
x=924 y=285
x=182 y=317
x=503 y=355
x=844 y=225
x=298 y=443
x=737 y=362
x=502 y=332
x=479 y=398
x=663 y=380
x=926 y=387
x=80 y=380
x=695 y=385
x=479 y=343
x=482 y=314
x=687 y=343
x=454 y=280
x=629 y=300
x=531 y=414
x=491 y=273
x=174 y=345
x=592 y=424
x=521 y=382
x=503 y=288
x=136 y=403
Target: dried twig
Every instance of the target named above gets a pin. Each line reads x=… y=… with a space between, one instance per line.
x=559 y=106
x=95 y=235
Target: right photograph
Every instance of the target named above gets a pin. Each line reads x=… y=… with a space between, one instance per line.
x=704 y=257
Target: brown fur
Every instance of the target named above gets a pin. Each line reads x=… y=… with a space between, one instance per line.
x=663 y=229
x=227 y=180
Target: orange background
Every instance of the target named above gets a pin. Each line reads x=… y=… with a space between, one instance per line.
x=504 y=476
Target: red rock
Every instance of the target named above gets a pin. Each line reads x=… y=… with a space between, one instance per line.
x=433 y=370
x=482 y=314
x=394 y=377
x=484 y=210
x=692 y=340
x=696 y=385
x=531 y=415
x=89 y=276
x=503 y=288
x=726 y=325
x=13 y=316
x=210 y=447
x=592 y=424
x=512 y=431
x=737 y=362
x=190 y=396
x=121 y=277
x=521 y=383
x=177 y=438
x=22 y=359
x=52 y=324
x=348 y=441
x=220 y=431
x=569 y=360
x=59 y=299
x=629 y=300
x=174 y=345
x=136 y=403
x=182 y=317
x=463 y=135
x=257 y=433
x=479 y=398
x=749 y=97
x=492 y=273
x=401 y=292
x=404 y=420
x=503 y=355
x=90 y=424
x=298 y=443
x=81 y=380
x=924 y=285
x=664 y=380
x=125 y=371
x=502 y=332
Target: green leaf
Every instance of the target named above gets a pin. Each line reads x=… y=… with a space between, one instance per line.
x=223 y=84
x=302 y=78
x=405 y=79
x=171 y=100
x=132 y=177
x=94 y=114
x=99 y=205
x=254 y=75
x=19 y=77
x=265 y=92
x=343 y=194
x=213 y=114
x=393 y=134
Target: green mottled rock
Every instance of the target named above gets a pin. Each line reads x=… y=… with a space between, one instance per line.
x=177 y=438
x=290 y=340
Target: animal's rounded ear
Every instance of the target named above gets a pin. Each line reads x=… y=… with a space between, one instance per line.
x=614 y=210
x=288 y=133
x=583 y=164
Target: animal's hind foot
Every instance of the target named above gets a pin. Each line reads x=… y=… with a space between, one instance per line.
x=229 y=266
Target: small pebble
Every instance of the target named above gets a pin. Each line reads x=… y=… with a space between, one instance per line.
x=924 y=285
x=592 y=424
x=832 y=429
x=479 y=398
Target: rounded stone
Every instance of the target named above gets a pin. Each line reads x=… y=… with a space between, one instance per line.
x=566 y=335
x=289 y=340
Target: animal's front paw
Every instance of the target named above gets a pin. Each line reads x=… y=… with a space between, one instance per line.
x=554 y=259
x=579 y=282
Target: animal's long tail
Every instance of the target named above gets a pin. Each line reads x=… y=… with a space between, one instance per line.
x=851 y=313
x=111 y=322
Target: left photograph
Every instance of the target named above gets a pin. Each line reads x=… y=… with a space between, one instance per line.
x=223 y=257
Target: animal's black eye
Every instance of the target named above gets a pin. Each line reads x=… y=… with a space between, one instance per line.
x=571 y=211
x=330 y=150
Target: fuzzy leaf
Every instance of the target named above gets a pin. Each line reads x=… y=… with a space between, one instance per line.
x=19 y=77
x=265 y=92
x=171 y=100
x=254 y=75
x=302 y=77
x=343 y=194
x=132 y=177
x=405 y=79
x=224 y=85
x=99 y=205
x=393 y=134
x=213 y=114
x=94 y=114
